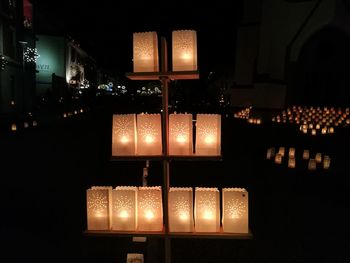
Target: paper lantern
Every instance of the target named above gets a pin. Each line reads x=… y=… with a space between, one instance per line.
x=278 y=158
x=181 y=209
x=150 y=209
x=281 y=151
x=312 y=164
x=306 y=154
x=313 y=132
x=180 y=134
x=149 y=134
x=291 y=152
x=235 y=210
x=318 y=157
x=98 y=199
x=207 y=209
x=270 y=153
x=208 y=134
x=184 y=50
x=124 y=212
x=326 y=162
x=145 y=52
x=291 y=162
x=124 y=135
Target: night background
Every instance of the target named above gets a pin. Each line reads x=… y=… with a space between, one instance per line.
x=270 y=68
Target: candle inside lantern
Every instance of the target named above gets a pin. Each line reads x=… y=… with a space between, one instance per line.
x=149 y=208
x=124 y=212
x=180 y=134
x=180 y=209
x=207 y=213
x=208 y=134
x=123 y=134
x=149 y=134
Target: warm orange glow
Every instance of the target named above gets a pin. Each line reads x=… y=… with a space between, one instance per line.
x=183 y=216
x=208 y=215
x=186 y=56
x=149 y=215
x=64 y=115
x=12 y=102
x=123 y=214
x=181 y=139
x=13 y=127
x=209 y=140
x=149 y=139
x=124 y=139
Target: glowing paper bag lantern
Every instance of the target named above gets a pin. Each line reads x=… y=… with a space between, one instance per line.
x=235 y=210
x=149 y=134
x=291 y=162
x=326 y=162
x=281 y=151
x=318 y=157
x=124 y=212
x=291 y=152
x=150 y=209
x=306 y=154
x=278 y=158
x=180 y=134
x=145 y=48
x=181 y=209
x=312 y=164
x=184 y=50
x=270 y=153
x=207 y=209
x=124 y=135
x=208 y=134
x=99 y=199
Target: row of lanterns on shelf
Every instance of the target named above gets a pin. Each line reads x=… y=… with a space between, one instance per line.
x=141 y=134
x=292 y=159
x=316 y=120
x=184 y=51
x=127 y=208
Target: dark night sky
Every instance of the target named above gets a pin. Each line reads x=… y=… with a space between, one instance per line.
x=104 y=28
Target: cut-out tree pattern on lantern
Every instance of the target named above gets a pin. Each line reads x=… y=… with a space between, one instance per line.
x=181 y=209
x=208 y=134
x=180 y=134
x=207 y=212
x=235 y=210
x=149 y=134
x=124 y=212
x=184 y=50
x=123 y=136
x=149 y=209
x=145 y=52
x=98 y=207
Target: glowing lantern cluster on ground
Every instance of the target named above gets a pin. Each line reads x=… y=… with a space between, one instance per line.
x=243 y=114
x=315 y=120
x=293 y=157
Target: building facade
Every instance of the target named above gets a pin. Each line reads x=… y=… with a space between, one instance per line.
x=17 y=58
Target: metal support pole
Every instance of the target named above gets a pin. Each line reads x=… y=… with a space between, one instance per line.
x=165 y=128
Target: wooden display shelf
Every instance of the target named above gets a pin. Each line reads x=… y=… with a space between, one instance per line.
x=197 y=235
x=172 y=75
x=169 y=158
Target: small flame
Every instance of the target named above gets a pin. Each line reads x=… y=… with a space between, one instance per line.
x=123 y=214
x=124 y=139
x=181 y=139
x=149 y=215
x=209 y=140
x=149 y=139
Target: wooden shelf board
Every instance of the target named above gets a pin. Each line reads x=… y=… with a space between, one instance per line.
x=169 y=157
x=202 y=235
x=172 y=75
